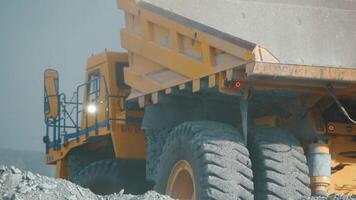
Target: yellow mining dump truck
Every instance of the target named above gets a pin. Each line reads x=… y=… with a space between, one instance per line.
x=215 y=100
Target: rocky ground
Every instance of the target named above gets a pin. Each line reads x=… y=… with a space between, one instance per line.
x=333 y=197
x=22 y=185
x=18 y=185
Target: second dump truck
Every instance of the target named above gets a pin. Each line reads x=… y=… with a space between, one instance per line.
x=214 y=100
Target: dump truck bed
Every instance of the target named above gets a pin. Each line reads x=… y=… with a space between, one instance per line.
x=175 y=43
x=307 y=32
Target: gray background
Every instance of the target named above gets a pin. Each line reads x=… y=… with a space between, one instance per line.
x=40 y=33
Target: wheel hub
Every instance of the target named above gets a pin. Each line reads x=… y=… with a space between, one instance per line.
x=181 y=184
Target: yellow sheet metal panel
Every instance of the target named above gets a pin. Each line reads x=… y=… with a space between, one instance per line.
x=304 y=72
x=62 y=168
x=344 y=181
x=179 y=63
x=172 y=48
x=51 y=89
x=342 y=150
x=304 y=32
x=129 y=141
x=165 y=53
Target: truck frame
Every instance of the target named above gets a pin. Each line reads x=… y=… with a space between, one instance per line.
x=197 y=113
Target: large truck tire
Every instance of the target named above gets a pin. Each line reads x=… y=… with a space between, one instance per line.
x=80 y=157
x=205 y=160
x=110 y=176
x=77 y=160
x=279 y=165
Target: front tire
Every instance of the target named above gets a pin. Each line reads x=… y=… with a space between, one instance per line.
x=205 y=160
x=109 y=176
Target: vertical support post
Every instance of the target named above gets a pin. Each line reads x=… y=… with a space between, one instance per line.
x=174 y=40
x=58 y=143
x=77 y=115
x=86 y=113
x=47 y=140
x=107 y=104
x=62 y=168
x=96 y=121
x=55 y=134
x=98 y=93
x=64 y=110
x=244 y=116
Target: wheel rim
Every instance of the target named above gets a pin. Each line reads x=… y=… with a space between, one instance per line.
x=181 y=183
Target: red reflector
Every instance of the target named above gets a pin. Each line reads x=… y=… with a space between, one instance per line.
x=331 y=128
x=236 y=84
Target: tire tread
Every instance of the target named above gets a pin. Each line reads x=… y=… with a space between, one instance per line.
x=279 y=164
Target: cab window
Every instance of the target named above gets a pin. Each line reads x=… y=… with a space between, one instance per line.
x=93 y=86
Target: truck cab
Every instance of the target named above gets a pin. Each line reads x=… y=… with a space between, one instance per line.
x=99 y=124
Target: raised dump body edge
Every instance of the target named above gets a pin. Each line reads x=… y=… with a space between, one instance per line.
x=168 y=50
x=305 y=32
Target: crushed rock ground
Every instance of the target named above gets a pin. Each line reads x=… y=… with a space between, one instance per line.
x=22 y=185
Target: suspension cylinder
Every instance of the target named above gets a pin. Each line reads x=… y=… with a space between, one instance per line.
x=319 y=168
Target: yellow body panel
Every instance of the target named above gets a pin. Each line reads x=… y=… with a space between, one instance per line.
x=165 y=53
x=50 y=79
x=343 y=154
x=62 y=169
x=128 y=140
x=344 y=181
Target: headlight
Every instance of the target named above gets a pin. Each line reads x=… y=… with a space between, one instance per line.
x=91 y=108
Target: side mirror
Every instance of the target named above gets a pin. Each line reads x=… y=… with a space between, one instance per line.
x=51 y=98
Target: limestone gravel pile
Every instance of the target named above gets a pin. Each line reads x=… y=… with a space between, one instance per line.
x=22 y=185
x=18 y=185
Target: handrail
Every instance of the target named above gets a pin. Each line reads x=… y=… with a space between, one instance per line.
x=64 y=122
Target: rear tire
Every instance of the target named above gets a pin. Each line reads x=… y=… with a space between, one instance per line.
x=279 y=165
x=205 y=160
x=110 y=176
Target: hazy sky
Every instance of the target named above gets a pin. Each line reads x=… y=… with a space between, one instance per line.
x=35 y=34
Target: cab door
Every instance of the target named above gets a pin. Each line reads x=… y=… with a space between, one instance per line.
x=95 y=102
